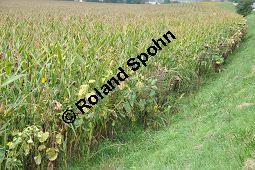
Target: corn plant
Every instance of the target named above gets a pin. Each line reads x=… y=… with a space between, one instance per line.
x=53 y=53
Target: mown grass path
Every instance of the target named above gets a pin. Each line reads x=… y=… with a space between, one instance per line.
x=215 y=128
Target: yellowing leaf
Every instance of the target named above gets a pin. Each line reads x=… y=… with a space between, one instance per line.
x=89 y=94
x=41 y=147
x=43 y=136
x=52 y=154
x=1 y=108
x=26 y=148
x=10 y=144
x=59 y=138
x=83 y=90
x=38 y=159
x=122 y=85
x=30 y=141
x=92 y=81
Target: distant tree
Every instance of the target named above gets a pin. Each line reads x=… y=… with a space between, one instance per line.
x=244 y=7
x=92 y=0
x=134 y=1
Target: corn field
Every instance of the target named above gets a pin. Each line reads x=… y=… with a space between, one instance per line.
x=52 y=53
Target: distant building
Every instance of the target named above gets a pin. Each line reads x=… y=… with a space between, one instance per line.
x=154 y=2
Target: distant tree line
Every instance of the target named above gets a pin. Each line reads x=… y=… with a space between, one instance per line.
x=125 y=1
x=244 y=7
